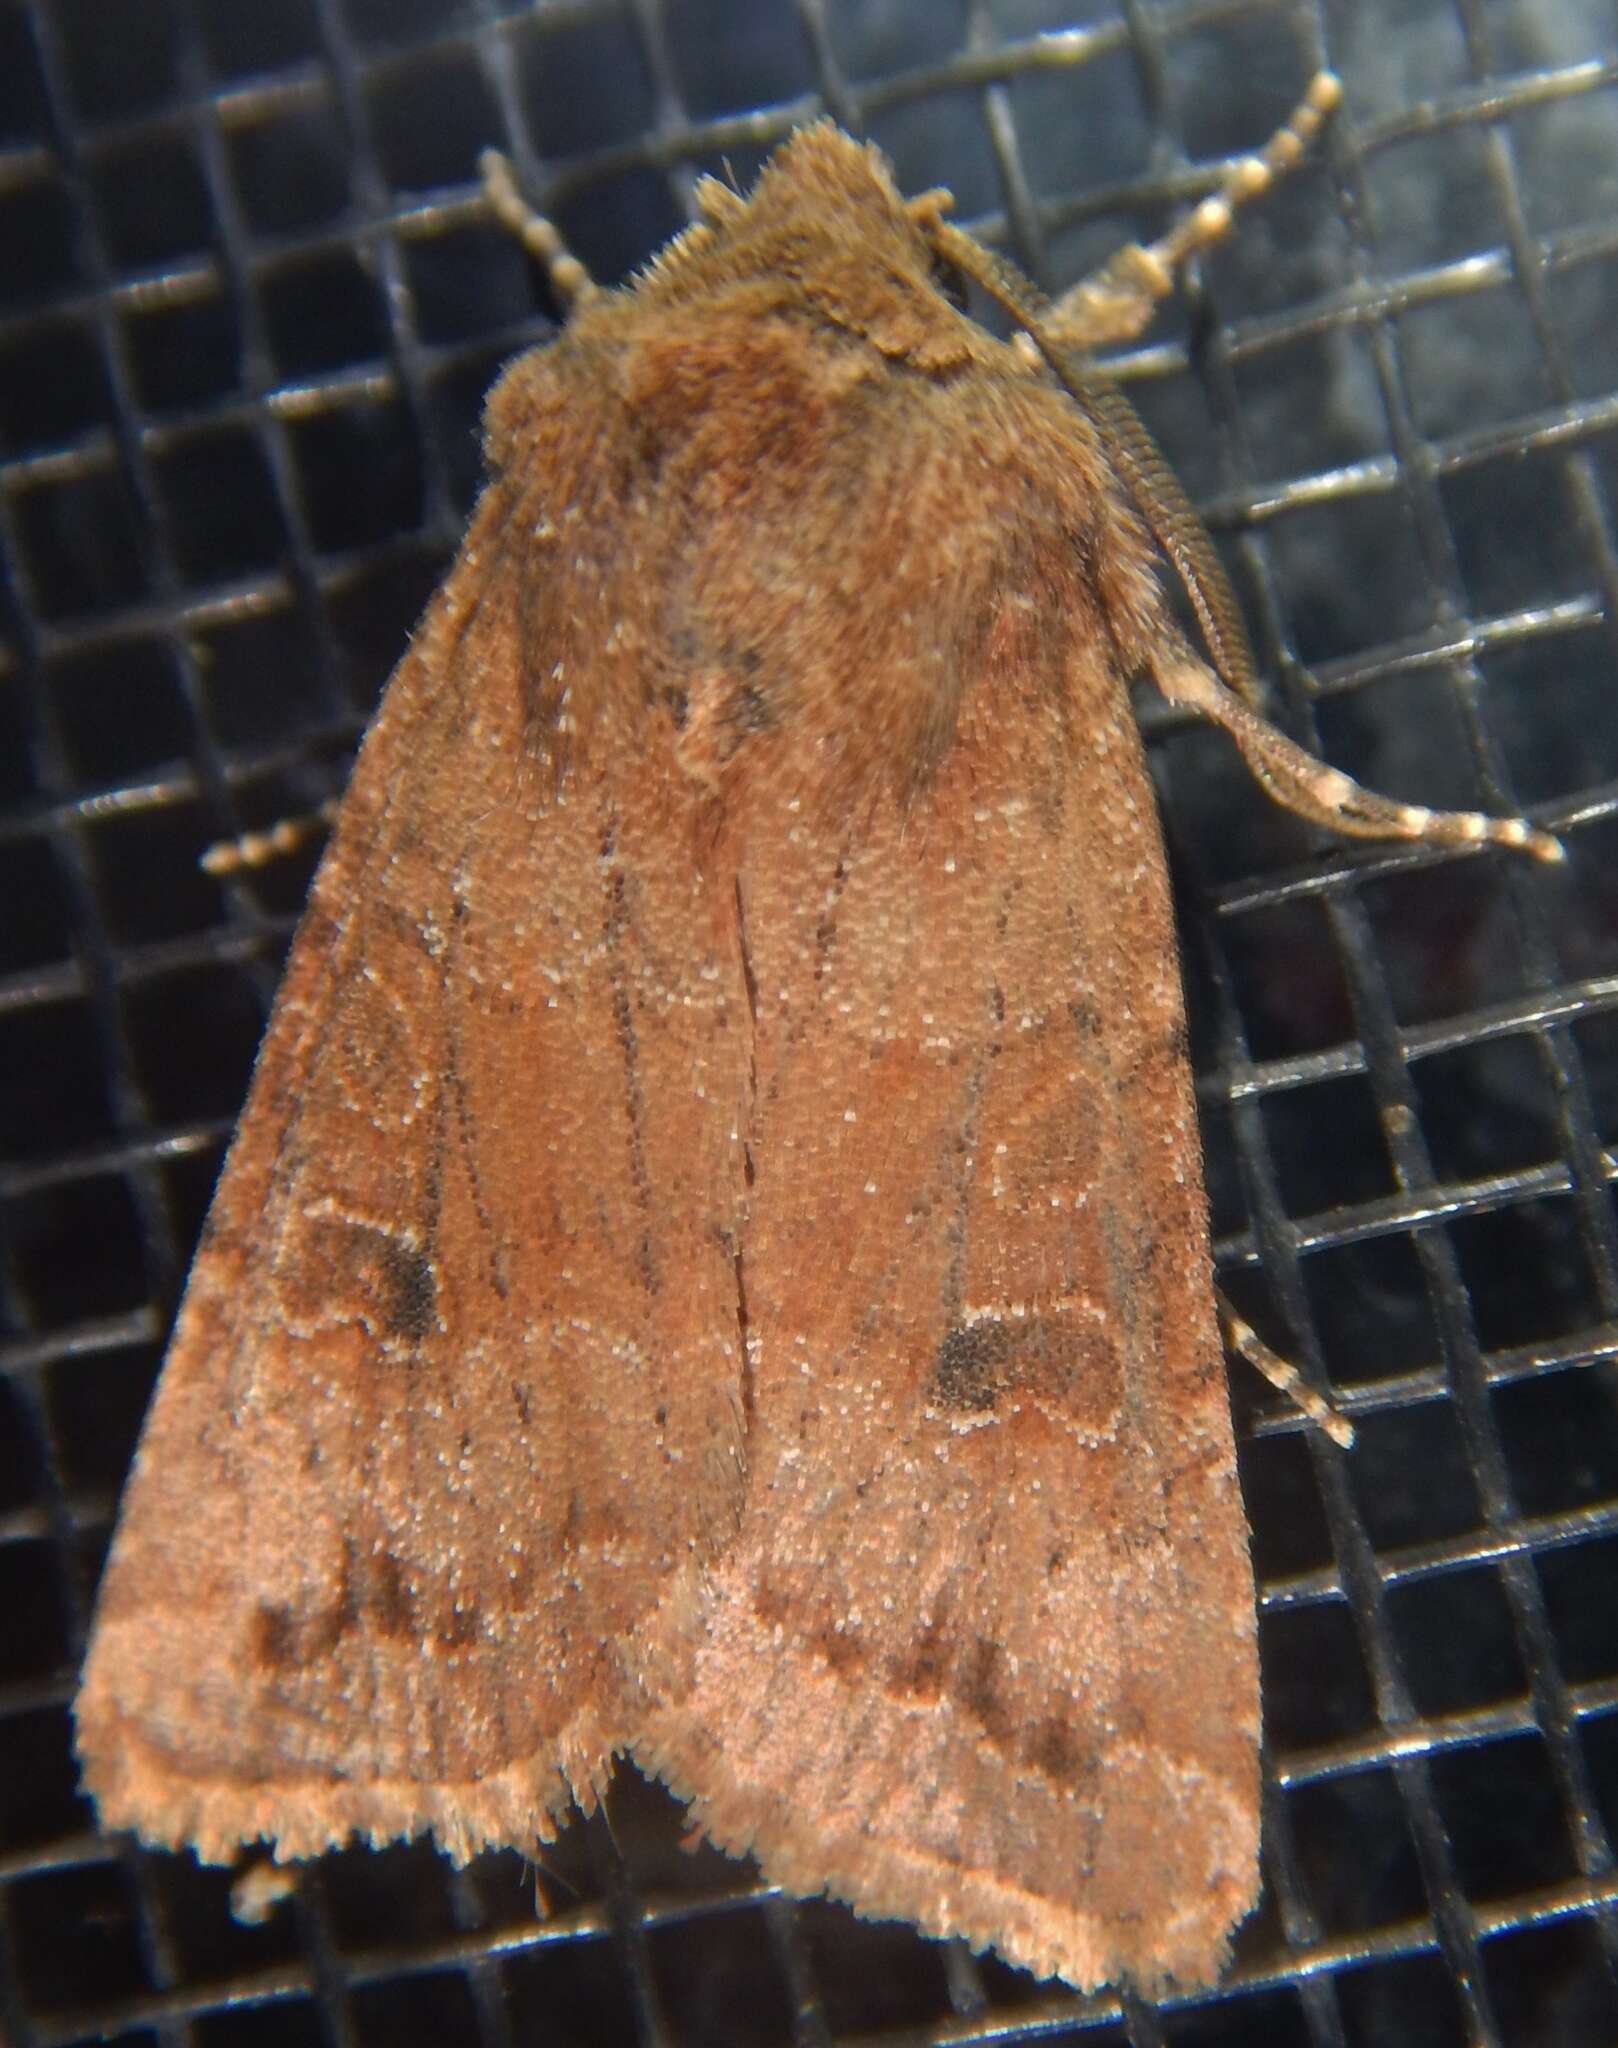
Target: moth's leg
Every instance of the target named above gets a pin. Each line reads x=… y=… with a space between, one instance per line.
x=571 y=282
x=1245 y=1341
x=1324 y=795
x=259 y=849
x=1117 y=303
x=259 y=1887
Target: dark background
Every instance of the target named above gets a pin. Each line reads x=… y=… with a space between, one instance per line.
x=249 y=303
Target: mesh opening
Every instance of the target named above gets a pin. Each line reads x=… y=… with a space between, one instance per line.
x=248 y=308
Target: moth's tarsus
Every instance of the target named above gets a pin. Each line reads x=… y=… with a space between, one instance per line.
x=1282 y=1374
x=259 y=849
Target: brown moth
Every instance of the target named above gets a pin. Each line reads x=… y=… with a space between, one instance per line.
x=714 y=1265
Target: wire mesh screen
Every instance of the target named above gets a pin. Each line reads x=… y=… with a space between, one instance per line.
x=249 y=303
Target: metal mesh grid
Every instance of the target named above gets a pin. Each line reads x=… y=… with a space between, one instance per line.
x=248 y=306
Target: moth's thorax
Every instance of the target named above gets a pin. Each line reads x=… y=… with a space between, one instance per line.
x=805 y=546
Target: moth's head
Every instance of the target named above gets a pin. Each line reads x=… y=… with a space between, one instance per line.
x=827 y=224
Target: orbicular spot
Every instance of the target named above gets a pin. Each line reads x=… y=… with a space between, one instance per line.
x=409 y=1291
x=338 y=1269
x=970 y=1368
x=1065 y=1362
